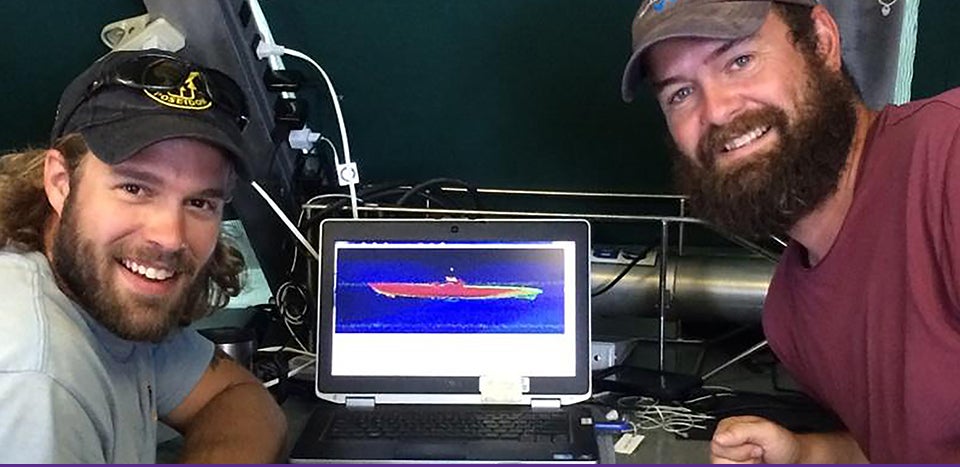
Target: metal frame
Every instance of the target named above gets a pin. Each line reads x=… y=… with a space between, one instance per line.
x=681 y=219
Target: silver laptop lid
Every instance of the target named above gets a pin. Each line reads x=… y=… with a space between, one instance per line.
x=454 y=311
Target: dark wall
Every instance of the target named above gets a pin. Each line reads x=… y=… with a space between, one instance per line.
x=510 y=93
x=507 y=93
x=46 y=44
x=937 y=64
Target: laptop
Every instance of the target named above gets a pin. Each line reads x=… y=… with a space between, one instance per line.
x=452 y=341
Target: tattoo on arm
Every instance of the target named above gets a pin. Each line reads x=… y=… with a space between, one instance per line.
x=218 y=356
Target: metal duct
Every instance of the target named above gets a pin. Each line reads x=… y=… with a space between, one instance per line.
x=701 y=287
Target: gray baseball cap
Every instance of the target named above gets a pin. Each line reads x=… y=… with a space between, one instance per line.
x=658 y=20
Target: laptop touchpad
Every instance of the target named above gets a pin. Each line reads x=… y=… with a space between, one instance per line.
x=436 y=451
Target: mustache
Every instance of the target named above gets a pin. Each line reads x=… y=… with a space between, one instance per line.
x=179 y=261
x=717 y=136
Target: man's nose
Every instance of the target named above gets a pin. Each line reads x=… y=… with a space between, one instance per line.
x=719 y=104
x=165 y=228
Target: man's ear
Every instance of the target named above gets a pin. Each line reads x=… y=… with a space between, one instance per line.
x=828 y=37
x=56 y=179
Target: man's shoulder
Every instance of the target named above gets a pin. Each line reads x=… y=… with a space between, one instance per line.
x=33 y=314
x=936 y=111
x=950 y=97
x=20 y=312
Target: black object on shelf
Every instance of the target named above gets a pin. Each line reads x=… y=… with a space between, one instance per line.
x=665 y=386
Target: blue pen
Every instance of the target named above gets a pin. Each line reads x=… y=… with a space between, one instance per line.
x=612 y=426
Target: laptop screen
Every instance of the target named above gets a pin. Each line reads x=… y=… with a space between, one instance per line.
x=434 y=306
x=454 y=308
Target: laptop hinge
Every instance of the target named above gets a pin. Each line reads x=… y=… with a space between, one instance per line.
x=545 y=403
x=361 y=402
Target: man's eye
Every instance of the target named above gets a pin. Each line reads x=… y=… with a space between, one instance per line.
x=203 y=204
x=132 y=189
x=741 y=61
x=680 y=95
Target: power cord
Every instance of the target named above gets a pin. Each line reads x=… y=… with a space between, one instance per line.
x=647 y=414
x=292 y=313
x=623 y=273
x=347 y=171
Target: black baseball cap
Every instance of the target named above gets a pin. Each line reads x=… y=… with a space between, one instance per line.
x=658 y=20
x=128 y=100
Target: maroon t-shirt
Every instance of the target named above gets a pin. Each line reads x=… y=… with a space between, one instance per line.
x=873 y=330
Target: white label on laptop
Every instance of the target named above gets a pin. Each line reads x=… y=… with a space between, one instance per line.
x=503 y=389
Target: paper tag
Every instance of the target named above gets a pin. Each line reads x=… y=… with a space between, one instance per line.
x=503 y=389
x=628 y=443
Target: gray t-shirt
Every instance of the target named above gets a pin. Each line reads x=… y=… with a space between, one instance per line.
x=72 y=392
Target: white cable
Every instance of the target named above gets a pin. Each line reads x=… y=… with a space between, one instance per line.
x=709 y=396
x=650 y=415
x=268 y=50
x=280 y=348
x=285 y=309
x=333 y=97
x=289 y=318
x=293 y=372
x=295 y=338
x=336 y=155
x=286 y=220
x=266 y=36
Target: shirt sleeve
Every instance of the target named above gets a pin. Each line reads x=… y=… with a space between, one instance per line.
x=180 y=362
x=43 y=422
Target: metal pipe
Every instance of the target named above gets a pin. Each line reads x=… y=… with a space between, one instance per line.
x=702 y=285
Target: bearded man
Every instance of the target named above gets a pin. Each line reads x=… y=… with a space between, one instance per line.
x=111 y=248
x=772 y=137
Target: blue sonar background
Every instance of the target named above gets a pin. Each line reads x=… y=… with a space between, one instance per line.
x=362 y=310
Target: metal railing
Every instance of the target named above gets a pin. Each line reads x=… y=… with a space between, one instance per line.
x=665 y=221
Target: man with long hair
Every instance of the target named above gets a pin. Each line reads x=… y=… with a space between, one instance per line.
x=111 y=247
x=771 y=136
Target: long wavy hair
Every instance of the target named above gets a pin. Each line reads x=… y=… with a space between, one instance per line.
x=25 y=211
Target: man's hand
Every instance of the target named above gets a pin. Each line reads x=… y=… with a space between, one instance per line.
x=753 y=440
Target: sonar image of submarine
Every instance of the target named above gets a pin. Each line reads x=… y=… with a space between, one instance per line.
x=452 y=288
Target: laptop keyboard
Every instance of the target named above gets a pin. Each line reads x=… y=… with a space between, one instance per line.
x=481 y=424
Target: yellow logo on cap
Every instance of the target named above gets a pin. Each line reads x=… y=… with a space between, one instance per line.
x=189 y=97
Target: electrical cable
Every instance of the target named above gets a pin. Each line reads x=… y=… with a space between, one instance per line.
x=280 y=348
x=647 y=415
x=336 y=155
x=290 y=316
x=368 y=196
x=334 y=98
x=370 y=193
x=471 y=190
x=609 y=285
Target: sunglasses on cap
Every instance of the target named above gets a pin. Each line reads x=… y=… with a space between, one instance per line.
x=160 y=73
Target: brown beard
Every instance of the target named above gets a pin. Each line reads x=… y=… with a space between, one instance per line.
x=769 y=193
x=87 y=275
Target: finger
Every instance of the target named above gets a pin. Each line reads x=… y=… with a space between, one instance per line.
x=737 y=432
x=720 y=460
x=739 y=453
x=728 y=460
